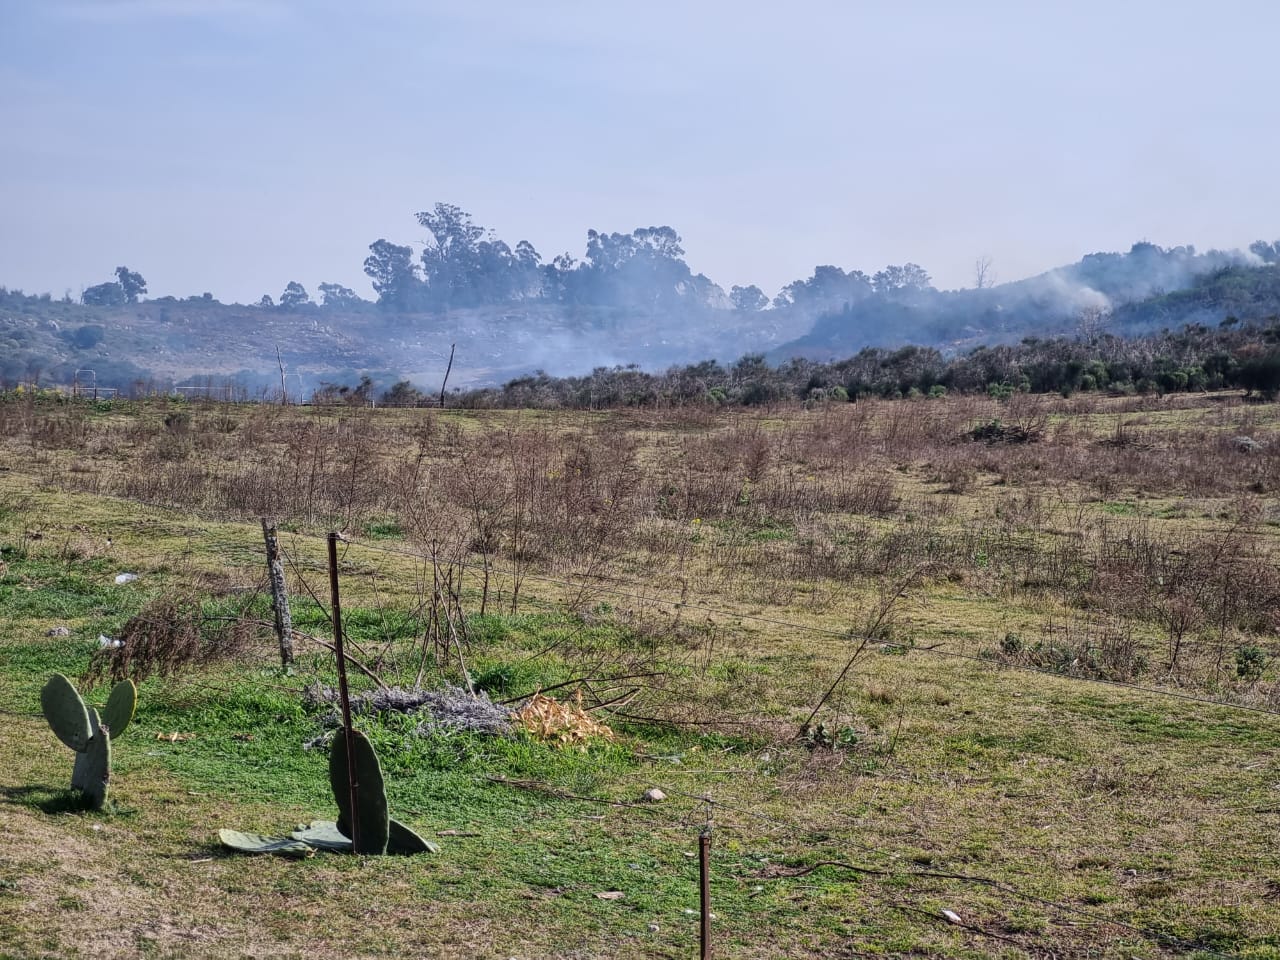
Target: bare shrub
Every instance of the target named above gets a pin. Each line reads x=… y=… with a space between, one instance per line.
x=169 y=636
x=1080 y=648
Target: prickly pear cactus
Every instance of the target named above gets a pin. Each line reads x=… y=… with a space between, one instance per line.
x=378 y=832
x=65 y=710
x=323 y=835
x=257 y=843
x=92 y=771
x=374 y=821
x=89 y=735
x=406 y=841
x=120 y=707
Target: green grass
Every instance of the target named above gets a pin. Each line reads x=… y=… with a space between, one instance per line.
x=1123 y=508
x=386 y=529
x=1142 y=810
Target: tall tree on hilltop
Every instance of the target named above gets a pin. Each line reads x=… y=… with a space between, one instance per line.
x=295 y=295
x=748 y=299
x=109 y=294
x=338 y=296
x=909 y=277
x=395 y=278
x=452 y=261
x=131 y=284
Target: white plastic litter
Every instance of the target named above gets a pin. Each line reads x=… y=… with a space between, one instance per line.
x=107 y=643
x=126 y=577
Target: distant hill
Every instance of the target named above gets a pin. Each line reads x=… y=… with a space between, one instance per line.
x=647 y=309
x=1146 y=289
x=190 y=342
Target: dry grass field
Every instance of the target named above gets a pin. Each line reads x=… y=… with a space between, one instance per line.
x=945 y=678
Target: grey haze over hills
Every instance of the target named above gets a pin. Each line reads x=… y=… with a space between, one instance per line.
x=632 y=299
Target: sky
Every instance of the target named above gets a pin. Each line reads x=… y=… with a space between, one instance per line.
x=231 y=146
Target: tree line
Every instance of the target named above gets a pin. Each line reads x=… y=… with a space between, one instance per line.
x=464 y=265
x=1232 y=355
x=644 y=274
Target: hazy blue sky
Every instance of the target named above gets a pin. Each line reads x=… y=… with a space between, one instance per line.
x=234 y=145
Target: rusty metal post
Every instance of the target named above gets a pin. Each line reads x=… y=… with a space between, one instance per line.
x=704 y=891
x=344 y=695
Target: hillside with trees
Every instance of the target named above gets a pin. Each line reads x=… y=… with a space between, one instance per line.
x=632 y=298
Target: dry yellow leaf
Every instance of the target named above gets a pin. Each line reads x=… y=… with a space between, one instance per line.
x=549 y=719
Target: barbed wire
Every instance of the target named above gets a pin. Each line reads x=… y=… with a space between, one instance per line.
x=810 y=629
x=700 y=816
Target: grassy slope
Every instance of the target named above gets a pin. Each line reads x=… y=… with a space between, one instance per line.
x=1139 y=809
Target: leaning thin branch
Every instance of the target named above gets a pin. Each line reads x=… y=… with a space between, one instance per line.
x=582 y=680
x=873 y=628
x=346 y=656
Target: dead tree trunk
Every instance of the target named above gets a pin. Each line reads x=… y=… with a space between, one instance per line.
x=279 y=596
x=445 y=382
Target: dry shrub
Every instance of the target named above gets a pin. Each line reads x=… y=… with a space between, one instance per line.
x=168 y=637
x=1104 y=650
x=879 y=693
x=1114 y=777
x=958 y=477
x=567 y=723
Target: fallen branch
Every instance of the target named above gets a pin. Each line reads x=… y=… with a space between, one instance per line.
x=874 y=872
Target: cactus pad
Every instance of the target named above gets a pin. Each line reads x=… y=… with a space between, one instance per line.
x=92 y=771
x=404 y=840
x=371 y=793
x=120 y=707
x=323 y=835
x=256 y=843
x=65 y=711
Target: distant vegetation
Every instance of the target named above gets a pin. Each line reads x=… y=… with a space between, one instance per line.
x=1196 y=358
x=633 y=298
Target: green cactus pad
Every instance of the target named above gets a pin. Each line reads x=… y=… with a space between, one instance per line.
x=257 y=843
x=323 y=835
x=66 y=713
x=120 y=707
x=92 y=771
x=406 y=841
x=371 y=793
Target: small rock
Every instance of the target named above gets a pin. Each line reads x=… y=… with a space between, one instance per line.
x=653 y=795
x=58 y=632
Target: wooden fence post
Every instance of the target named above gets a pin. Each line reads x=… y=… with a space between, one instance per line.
x=279 y=596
